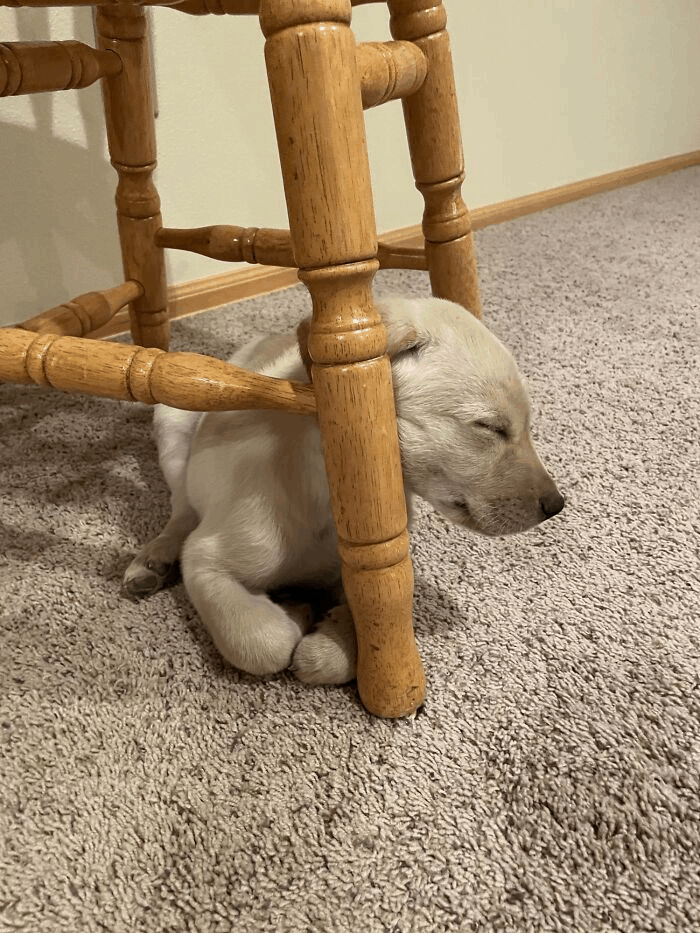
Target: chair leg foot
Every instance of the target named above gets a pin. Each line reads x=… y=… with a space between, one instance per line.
x=390 y=676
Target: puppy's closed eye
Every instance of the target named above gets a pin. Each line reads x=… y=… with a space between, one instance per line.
x=499 y=428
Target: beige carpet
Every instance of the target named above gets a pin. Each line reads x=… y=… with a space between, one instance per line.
x=551 y=782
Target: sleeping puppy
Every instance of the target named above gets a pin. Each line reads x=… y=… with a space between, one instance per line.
x=251 y=512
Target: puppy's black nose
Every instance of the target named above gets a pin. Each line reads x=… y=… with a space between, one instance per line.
x=552 y=503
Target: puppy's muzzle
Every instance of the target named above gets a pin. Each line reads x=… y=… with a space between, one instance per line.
x=552 y=503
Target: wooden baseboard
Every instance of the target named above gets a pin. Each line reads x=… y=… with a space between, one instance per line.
x=212 y=292
x=552 y=197
x=237 y=284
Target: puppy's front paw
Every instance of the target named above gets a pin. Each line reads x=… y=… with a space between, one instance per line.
x=329 y=654
x=146 y=575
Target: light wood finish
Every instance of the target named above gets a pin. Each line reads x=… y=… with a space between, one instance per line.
x=131 y=137
x=218 y=7
x=389 y=70
x=402 y=249
x=189 y=381
x=197 y=7
x=36 y=4
x=30 y=67
x=432 y=127
x=270 y=246
x=231 y=7
x=310 y=147
x=402 y=255
x=233 y=244
x=312 y=71
x=84 y=314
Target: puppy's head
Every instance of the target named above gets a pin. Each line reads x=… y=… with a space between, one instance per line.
x=464 y=420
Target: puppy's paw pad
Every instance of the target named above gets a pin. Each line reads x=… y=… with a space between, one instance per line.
x=144 y=579
x=328 y=655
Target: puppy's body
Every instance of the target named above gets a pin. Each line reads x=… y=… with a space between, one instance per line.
x=251 y=501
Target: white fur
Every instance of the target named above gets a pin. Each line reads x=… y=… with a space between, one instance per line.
x=250 y=501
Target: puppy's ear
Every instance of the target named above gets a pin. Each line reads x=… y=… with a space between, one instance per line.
x=303 y=341
x=405 y=329
x=402 y=337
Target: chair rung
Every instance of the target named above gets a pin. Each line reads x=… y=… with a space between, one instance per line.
x=30 y=67
x=402 y=257
x=225 y=7
x=217 y=7
x=390 y=70
x=84 y=314
x=40 y=4
x=189 y=381
x=266 y=246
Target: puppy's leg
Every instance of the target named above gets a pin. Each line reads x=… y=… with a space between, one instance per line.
x=329 y=654
x=249 y=630
x=155 y=565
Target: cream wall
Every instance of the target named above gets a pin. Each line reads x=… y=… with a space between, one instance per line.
x=550 y=92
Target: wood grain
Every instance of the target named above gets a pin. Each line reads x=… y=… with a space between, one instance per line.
x=230 y=243
x=271 y=246
x=132 y=145
x=435 y=145
x=33 y=67
x=84 y=314
x=389 y=70
x=190 y=381
x=315 y=87
x=234 y=7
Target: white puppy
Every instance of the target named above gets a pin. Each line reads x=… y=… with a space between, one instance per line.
x=250 y=503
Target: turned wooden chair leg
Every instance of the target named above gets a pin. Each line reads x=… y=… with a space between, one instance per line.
x=434 y=139
x=132 y=146
x=315 y=89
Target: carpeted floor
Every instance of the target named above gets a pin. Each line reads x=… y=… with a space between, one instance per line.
x=551 y=782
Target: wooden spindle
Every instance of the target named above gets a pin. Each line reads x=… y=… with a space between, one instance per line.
x=401 y=257
x=389 y=70
x=219 y=7
x=31 y=67
x=233 y=244
x=269 y=247
x=315 y=87
x=132 y=146
x=84 y=314
x=434 y=139
x=36 y=4
x=189 y=381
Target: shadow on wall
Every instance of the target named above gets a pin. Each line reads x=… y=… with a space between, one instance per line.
x=56 y=196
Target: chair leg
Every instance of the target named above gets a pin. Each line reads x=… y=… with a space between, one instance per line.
x=434 y=139
x=132 y=146
x=315 y=90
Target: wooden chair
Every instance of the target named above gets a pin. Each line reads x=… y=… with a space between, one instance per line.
x=319 y=77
